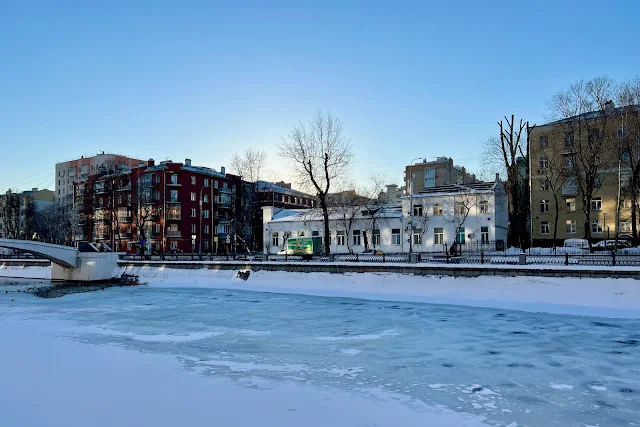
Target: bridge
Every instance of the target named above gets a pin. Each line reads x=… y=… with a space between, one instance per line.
x=67 y=263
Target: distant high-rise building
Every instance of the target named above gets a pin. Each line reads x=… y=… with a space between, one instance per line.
x=437 y=173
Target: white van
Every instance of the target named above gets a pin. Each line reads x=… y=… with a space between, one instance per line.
x=577 y=243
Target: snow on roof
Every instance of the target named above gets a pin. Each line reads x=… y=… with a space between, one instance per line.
x=295 y=215
x=204 y=170
x=456 y=190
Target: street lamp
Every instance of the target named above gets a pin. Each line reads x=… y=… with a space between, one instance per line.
x=193 y=243
x=410 y=184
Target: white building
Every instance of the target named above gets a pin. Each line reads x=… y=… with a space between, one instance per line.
x=473 y=215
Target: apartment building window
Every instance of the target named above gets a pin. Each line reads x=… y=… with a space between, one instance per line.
x=596 y=204
x=461 y=209
x=625 y=226
x=624 y=179
x=206 y=182
x=395 y=236
x=544 y=141
x=544 y=205
x=193 y=212
x=571 y=204
x=193 y=180
x=173 y=245
x=356 y=238
x=460 y=236
x=215 y=184
x=157 y=228
x=376 y=237
x=275 y=239
x=571 y=226
x=193 y=228
x=484 y=206
x=484 y=234
x=340 y=238
x=206 y=198
x=206 y=229
x=206 y=245
x=173 y=196
x=544 y=227
x=429 y=178
x=625 y=203
x=315 y=233
x=193 y=196
x=417 y=236
x=437 y=209
x=225 y=185
x=544 y=162
x=119 y=199
x=288 y=199
x=157 y=195
x=205 y=213
x=544 y=185
x=622 y=132
x=295 y=200
x=596 y=226
x=438 y=236
x=174 y=179
x=568 y=139
x=417 y=210
x=594 y=135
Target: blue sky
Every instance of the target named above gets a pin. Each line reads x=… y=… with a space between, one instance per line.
x=202 y=79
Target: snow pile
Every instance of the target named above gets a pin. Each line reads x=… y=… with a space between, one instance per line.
x=20 y=271
x=557 y=251
x=597 y=297
x=630 y=251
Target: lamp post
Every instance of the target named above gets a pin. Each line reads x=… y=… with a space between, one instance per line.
x=410 y=184
x=200 y=203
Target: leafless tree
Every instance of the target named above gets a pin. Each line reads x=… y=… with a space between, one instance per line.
x=629 y=144
x=557 y=167
x=10 y=215
x=146 y=209
x=320 y=156
x=584 y=111
x=346 y=206
x=462 y=205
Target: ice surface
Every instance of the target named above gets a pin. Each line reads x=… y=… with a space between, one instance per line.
x=425 y=364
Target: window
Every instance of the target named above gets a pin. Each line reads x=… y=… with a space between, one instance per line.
x=173 y=245
x=395 y=236
x=437 y=209
x=596 y=204
x=340 y=238
x=544 y=185
x=484 y=234
x=193 y=212
x=438 y=236
x=460 y=235
x=205 y=213
x=568 y=139
x=356 y=238
x=206 y=244
x=215 y=184
x=206 y=198
x=301 y=233
x=119 y=199
x=461 y=209
x=622 y=132
x=594 y=135
x=624 y=179
x=571 y=226
x=275 y=239
x=376 y=237
x=544 y=227
x=157 y=193
x=544 y=141
x=225 y=185
x=193 y=196
x=429 y=178
x=206 y=229
x=625 y=226
x=417 y=210
x=315 y=233
x=193 y=228
x=484 y=207
x=193 y=180
x=625 y=204
x=417 y=236
x=624 y=154
x=288 y=199
x=568 y=161
x=571 y=204
x=295 y=200
x=596 y=226
x=173 y=196
x=174 y=179
x=544 y=162
x=206 y=182
x=544 y=205
x=157 y=228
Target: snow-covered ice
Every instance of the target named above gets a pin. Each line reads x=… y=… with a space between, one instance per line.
x=189 y=349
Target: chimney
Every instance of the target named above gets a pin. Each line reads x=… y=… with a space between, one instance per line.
x=609 y=106
x=187 y=162
x=150 y=163
x=223 y=170
x=34 y=189
x=497 y=177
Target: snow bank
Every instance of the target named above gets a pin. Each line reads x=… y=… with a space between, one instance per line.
x=80 y=385
x=32 y=272
x=595 y=297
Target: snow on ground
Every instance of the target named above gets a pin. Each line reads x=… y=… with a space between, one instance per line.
x=597 y=297
x=43 y=272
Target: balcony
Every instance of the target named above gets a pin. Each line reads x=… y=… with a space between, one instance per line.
x=171 y=233
x=570 y=190
x=173 y=202
x=224 y=190
x=125 y=187
x=174 y=216
x=148 y=183
x=172 y=183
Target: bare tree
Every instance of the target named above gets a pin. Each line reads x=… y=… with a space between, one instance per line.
x=250 y=165
x=10 y=215
x=585 y=114
x=146 y=208
x=321 y=156
x=629 y=145
x=557 y=167
x=462 y=205
x=346 y=207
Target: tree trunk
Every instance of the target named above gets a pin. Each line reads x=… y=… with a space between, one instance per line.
x=325 y=216
x=555 y=222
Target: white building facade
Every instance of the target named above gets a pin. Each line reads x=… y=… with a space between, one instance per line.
x=472 y=216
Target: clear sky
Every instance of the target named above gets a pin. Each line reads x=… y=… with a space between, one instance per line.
x=170 y=80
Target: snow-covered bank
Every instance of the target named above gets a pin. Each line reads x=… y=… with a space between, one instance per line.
x=593 y=297
x=31 y=272
x=92 y=385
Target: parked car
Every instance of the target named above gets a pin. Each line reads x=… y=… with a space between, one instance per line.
x=610 y=245
x=577 y=243
x=372 y=252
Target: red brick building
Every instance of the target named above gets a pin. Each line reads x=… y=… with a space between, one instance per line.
x=166 y=207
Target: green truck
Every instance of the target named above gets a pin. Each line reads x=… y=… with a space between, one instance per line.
x=306 y=247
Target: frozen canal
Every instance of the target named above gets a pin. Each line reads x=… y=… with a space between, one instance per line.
x=495 y=367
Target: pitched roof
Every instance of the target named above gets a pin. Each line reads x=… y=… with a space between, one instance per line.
x=295 y=215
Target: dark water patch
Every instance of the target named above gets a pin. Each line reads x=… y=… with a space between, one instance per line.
x=603 y=404
x=447 y=365
x=492 y=352
x=520 y=333
x=554 y=364
x=530 y=399
x=520 y=365
x=618 y=352
x=605 y=325
x=627 y=390
x=60 y=290
x=630 y=343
